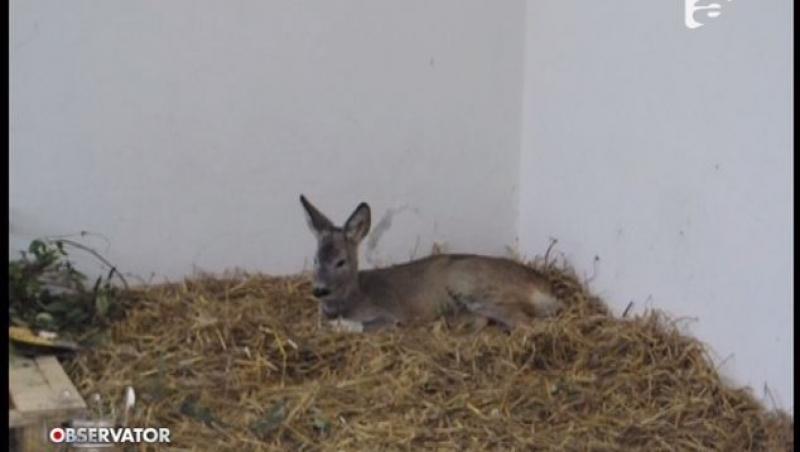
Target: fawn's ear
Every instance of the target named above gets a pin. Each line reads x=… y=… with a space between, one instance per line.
x=317 y=222
x=357 y=225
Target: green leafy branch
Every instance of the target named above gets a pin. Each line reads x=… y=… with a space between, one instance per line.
x=46 y=291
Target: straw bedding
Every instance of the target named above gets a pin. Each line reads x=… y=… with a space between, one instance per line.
x=243 y=363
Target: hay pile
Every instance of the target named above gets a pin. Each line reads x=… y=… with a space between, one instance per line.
x=242 y=363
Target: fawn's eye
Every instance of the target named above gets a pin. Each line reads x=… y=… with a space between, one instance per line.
x=340 y=263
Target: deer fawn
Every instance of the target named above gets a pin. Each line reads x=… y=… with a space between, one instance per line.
x=490 y=288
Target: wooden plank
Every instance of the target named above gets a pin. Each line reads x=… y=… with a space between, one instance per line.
x=34 y=438
x=41 y=394
x=41 y=384
x=19 y=419
x=16 y=419
x=27 y=387
x=60 y=383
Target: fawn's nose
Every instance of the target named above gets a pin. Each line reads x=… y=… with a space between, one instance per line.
x=320 y=292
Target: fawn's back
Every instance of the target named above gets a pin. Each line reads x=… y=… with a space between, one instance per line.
x=424 y=289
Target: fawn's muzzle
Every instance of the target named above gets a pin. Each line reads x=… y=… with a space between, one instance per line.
x=320 y=292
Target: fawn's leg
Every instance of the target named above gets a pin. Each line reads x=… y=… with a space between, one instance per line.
x=378 y=323
x=479 y=323
x=507 y=315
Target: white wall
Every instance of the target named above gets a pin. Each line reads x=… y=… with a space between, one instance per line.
x=667 y=152
x=184 y=131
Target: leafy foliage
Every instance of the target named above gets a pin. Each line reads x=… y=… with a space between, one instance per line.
x=47 y=292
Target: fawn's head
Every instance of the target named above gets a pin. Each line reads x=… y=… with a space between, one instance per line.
x=335 y=277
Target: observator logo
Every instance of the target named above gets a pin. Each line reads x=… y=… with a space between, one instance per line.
x=108 y=435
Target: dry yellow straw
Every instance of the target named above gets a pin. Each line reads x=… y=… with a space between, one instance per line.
x=241 y=363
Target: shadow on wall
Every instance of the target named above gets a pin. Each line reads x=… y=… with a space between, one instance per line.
x=371 y=253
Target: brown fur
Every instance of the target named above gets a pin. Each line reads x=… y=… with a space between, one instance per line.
x=422 y=290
